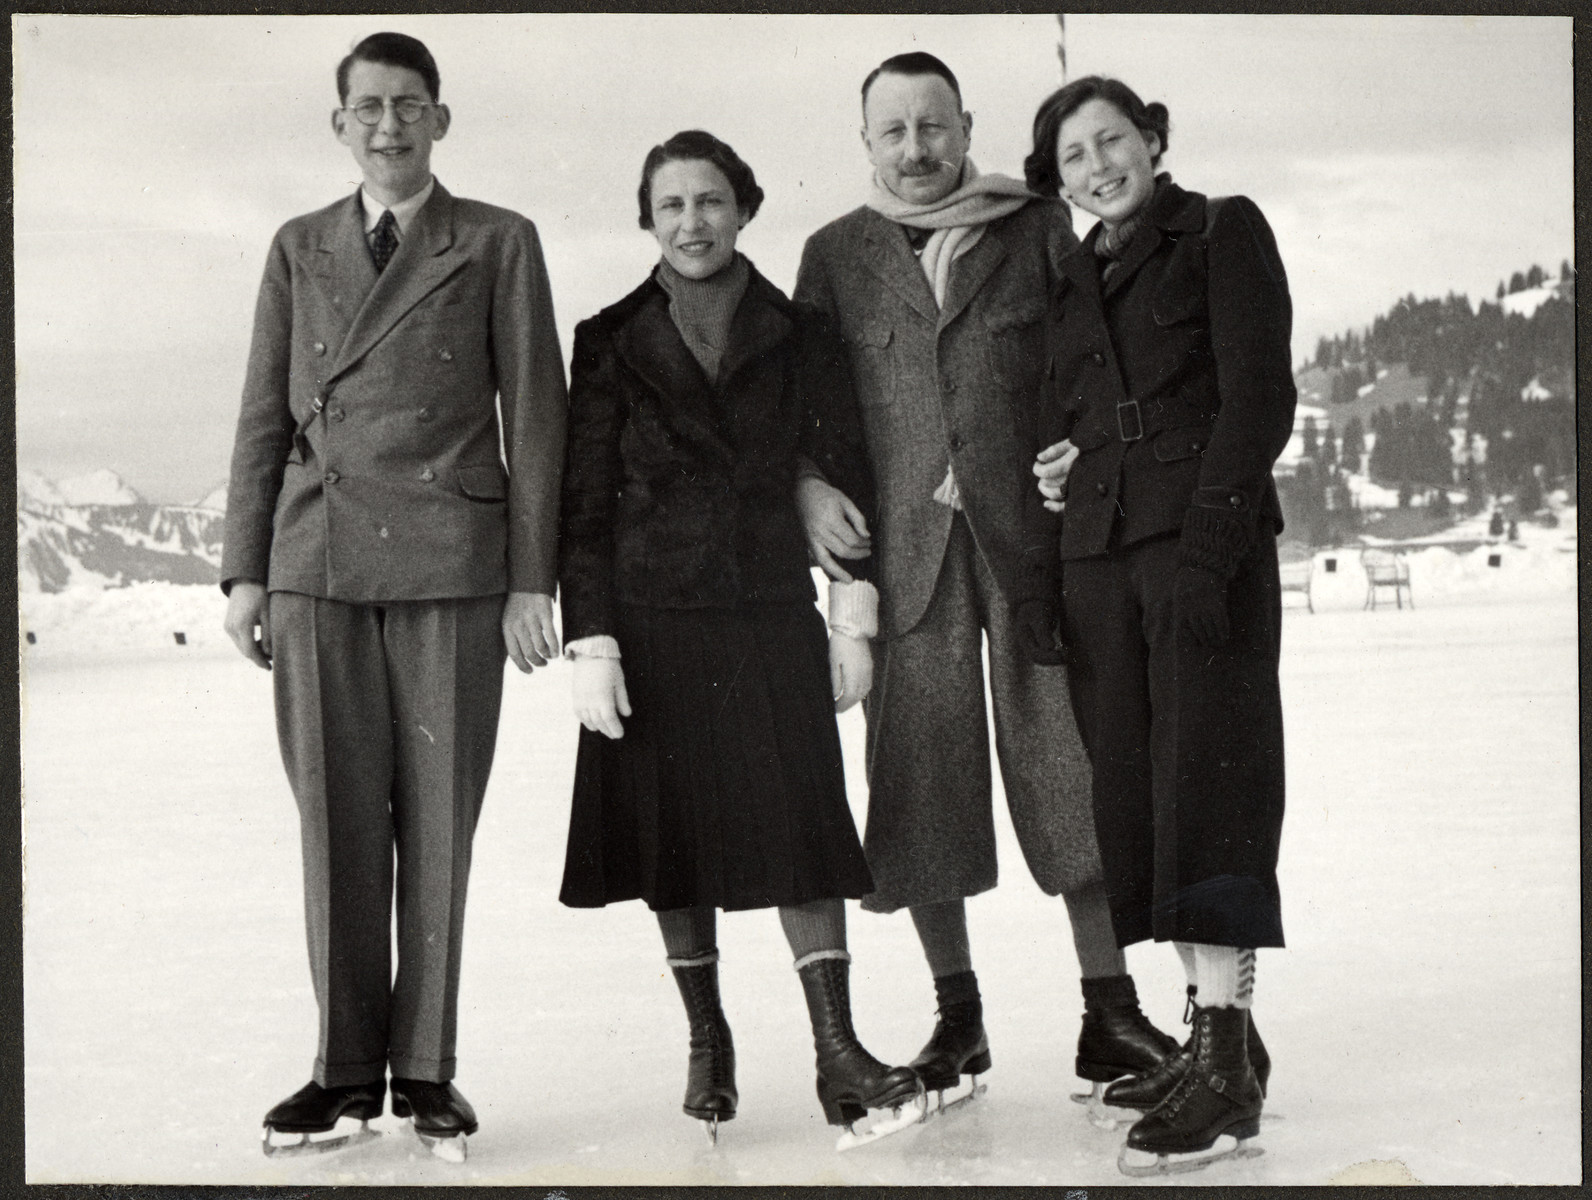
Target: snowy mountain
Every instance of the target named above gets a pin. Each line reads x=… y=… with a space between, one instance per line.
x=97 y=487
x=96 y=532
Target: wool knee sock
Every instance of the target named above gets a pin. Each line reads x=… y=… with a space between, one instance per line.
x=815 y=930
x=1093 y=938
x=1225 y=975
x=942 y=928
x=690 y=935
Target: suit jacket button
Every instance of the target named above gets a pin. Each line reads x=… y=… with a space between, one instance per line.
x=1099 y=359
x=427 y=475
x=320 y=347
x=1102 y=488
x=1195 y=446
x=445 y=355
x=423 y=415
x=956 y=442
x=337 y=414
x=330 y=477
x=1236 y=501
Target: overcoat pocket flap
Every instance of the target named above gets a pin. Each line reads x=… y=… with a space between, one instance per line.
x=1175 y=444
x=1014 y=316
x=871 y=333
x=487 y=481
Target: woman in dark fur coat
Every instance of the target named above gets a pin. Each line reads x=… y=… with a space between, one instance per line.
x=1172 y=395
x=709 y=770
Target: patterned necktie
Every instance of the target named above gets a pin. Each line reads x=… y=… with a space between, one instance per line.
x=384 y=242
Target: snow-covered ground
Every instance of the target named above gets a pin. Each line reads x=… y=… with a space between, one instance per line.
x=1427 y=1012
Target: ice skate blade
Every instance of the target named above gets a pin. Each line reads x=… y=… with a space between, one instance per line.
x=454 y=1149
x=296 y=1145
x=1102 y=1115
x=1142 y=1163
x=903 y=1116
x=711 y=1127
x=939 y=1106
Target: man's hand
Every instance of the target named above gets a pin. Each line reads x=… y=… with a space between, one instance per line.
x=1053 y=466
x=835 y=526
x=600 y=697
x=850 y=669
x=528 y=630
x=249 y=607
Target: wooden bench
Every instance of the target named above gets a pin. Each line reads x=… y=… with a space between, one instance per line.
x=1296 y=576
x=1386 y=569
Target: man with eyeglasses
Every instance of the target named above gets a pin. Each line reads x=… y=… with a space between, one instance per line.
x=380 y=558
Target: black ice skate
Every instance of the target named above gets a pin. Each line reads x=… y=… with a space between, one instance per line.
x=291 y=1127
x=959 y=1046
x=1211 y=1113
x=443 y=1119
x=1117 y=1043
x=1128 y=1099
x=710 y=1094
x=850 y=1080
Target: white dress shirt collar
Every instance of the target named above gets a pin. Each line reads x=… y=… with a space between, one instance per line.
x=403 y=212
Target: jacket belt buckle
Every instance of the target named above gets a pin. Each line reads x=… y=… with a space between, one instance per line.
x=1129 y=417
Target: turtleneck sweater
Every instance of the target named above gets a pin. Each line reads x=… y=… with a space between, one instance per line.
x=703 y=308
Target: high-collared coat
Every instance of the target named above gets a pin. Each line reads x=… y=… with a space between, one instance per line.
x=679 y=492
x=1174 y=377
x=367 y=465
x=957 y=385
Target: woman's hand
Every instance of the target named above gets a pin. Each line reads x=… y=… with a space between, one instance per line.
x=850 y=669
x=600 y=698
x=1053 y=466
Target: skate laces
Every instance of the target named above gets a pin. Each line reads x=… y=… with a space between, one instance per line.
x=1189 y=1006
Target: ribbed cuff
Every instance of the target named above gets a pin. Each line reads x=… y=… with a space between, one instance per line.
x=1216 y=540
x=854 y=609
x=599 y=645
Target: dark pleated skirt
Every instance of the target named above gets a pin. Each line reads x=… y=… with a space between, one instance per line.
x=727 y=789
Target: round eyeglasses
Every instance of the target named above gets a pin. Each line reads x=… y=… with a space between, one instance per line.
x=369 y=112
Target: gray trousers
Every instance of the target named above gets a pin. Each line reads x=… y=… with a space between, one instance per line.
x=931 y=825
x=387 y=716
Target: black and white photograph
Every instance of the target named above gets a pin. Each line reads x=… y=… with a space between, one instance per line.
x=676 y=599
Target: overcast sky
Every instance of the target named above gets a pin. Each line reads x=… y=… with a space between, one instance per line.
x=156 y=156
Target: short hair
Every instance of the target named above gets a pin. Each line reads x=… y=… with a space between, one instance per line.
x=918 y=62
x=393 y=50
x=690 y=145
x=1041 y=168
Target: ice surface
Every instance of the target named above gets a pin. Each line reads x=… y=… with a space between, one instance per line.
x=1427 y=1011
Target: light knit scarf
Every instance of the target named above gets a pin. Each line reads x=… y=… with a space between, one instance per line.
x=958 y=221
x=703 y=308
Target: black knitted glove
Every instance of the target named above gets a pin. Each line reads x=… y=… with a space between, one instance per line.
x=1218 y=531
x=1038 y=624
x=1200 y=601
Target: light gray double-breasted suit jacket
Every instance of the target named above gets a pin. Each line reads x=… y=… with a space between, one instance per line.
x=367 y=464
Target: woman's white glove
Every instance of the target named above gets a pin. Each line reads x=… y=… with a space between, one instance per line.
x=600 y=698
x=850 y=669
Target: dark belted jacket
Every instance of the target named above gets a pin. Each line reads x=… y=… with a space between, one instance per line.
x=680 y=493
x=1174 y=380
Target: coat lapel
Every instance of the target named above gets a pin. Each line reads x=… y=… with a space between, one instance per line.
x=341 y=264
x=651 y=346
x=886 y=253
x=426 y=258
x=970 y=272
x=757 y=327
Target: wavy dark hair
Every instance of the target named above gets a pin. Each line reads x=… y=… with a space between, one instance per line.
x=1041 y=168
x=695 y=145
x=393 y=50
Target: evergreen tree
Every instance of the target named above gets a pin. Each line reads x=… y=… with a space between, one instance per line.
x=1517 y=283
x=1353 y=444
x=1535 y=276
x=1312 y=441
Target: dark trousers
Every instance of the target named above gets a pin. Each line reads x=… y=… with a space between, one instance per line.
x=387 y=716
x=1186 y=745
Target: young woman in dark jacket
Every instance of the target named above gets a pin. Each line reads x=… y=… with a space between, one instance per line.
x=709 y=769
x=1172 y=395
